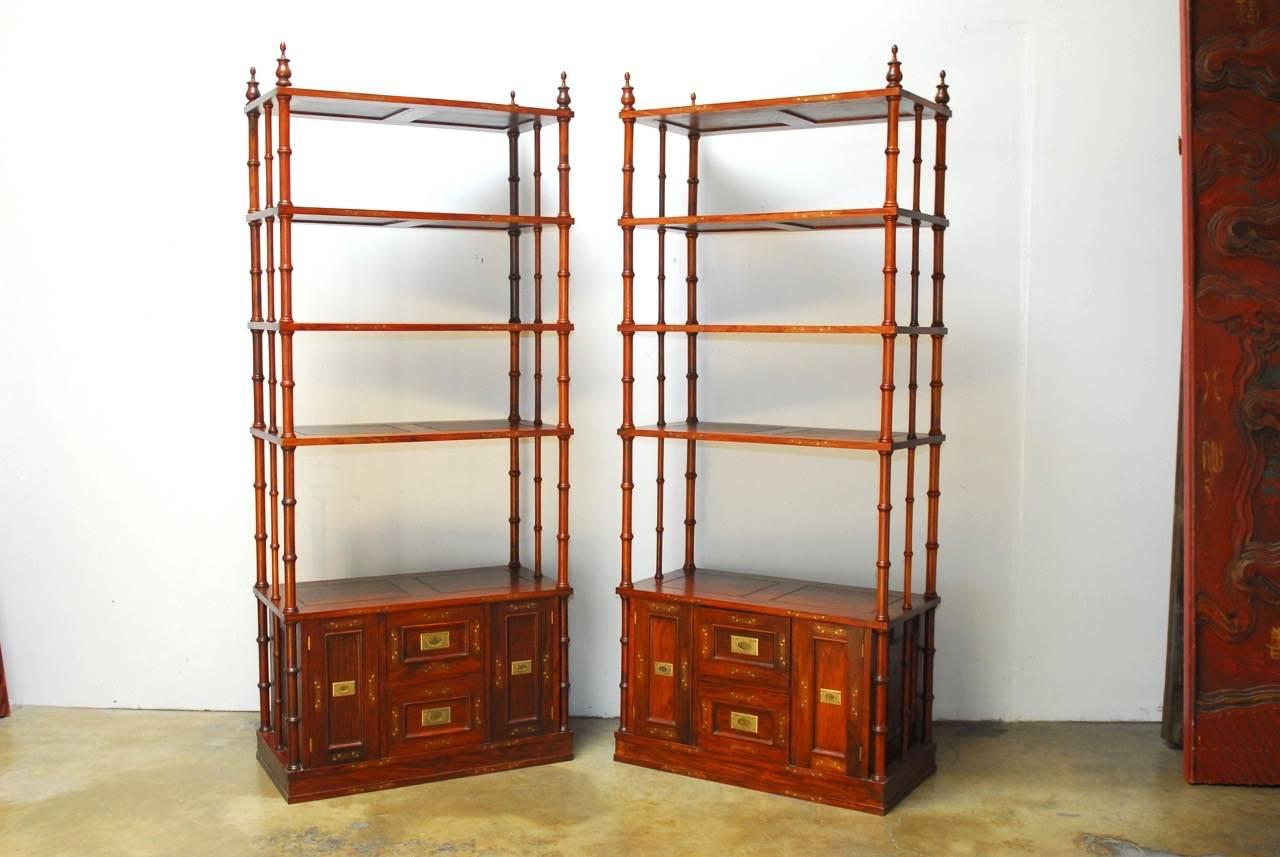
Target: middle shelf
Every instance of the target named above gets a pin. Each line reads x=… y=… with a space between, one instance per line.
x=788 y=221
x=405 y=219
x=410 y=432
x=785 y=435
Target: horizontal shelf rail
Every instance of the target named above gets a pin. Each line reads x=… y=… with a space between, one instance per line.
x=408 y=327
x=828 y=110
x=878 y=329
x=782 y=435
x=406 y=110
x=405 y=219
x=410 y=432
x=788 y=221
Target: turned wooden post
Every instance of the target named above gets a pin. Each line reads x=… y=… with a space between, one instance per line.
x=628 y=381
x=908 y=552
x=537 y=349
x=943 y=97
x=661 y=480
x=563 y=115
x=513 y=373
x=259 y=452
x=691 y=357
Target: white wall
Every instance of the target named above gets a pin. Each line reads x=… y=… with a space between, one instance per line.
x=124 y=453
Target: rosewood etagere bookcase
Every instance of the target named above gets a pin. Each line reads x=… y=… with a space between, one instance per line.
x=807 y=689
x=374 y=682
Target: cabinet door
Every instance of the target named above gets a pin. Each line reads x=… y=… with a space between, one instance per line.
x=340 y=702
x=523 y=672
x=661 y=641
x=829 y=698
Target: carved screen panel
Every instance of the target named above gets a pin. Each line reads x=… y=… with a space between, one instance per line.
x=1232 y=390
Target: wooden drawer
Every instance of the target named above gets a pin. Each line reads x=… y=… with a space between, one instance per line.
x=743 y=721
x=431 y=644
x=745 y=647
x=446 y=713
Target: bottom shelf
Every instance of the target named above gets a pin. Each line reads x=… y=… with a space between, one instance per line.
x=779 y=595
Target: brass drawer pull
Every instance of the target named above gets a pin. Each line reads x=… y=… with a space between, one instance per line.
x=432 y=640
x=343 y=688
x=521 y=667
x=663 y=668
x=744 y=722
x=829 y=696
x=744 y=645
x=437 y=716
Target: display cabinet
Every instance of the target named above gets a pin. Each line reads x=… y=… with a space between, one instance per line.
x=373 y=682
x=814 y=690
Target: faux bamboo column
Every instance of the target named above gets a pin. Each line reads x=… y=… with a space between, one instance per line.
x=259 y=452
x=661 y=480
x=935 y=394
x=563 y=115
x=880 y=722
x=513 y=373
x=628 y=418
x=290 y=502
x=537 y=349
x=691 y=338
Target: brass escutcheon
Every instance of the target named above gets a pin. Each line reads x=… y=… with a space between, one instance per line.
x=432 y=640
x=437 y=716
x=343 y=688
x=663 y=668
x=744 y=722
x=744 y=645
x=829 y=696
x=521 y=667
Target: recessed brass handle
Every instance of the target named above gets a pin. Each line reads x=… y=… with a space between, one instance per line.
x=663 y=668
x=829 y=696
x=744 y=645
x=521 y=667
x=343 y=688
x=437 y=716
x=744 y=722
x=432 y=640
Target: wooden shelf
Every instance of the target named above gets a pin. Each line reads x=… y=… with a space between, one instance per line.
x=406 y=219
x=878 y=329
x=409 y=327
x=408 y=432
x=356 y=595
x=782 y=435
x=779 y=596
x=404 y=110
x=787 y=221
x=780 y=114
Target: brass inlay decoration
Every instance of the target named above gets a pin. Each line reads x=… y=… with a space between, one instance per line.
x=1274 y=646
x=437 y=716
x=343 y=688
x=829 y=696
x=664 y=668
x=744 y=645
x=432 y=640
x=521 y=667
x=744 y=722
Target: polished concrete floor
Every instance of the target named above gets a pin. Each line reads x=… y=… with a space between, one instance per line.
x=102 y=783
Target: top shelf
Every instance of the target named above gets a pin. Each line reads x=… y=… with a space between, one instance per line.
x=403 y=110
x=864 y=107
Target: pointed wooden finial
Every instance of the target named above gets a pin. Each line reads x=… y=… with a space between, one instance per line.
x=513 y=98
x=251 y=85
x=895 y=69
x=693 y=98
x=282 y=68
x=628 y=94
x=563 y=98
x=943 y=95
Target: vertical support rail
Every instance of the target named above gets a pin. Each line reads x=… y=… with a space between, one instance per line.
x=880 y=727
x=273 y=462
x=259 y=451
x=628 y=418
x=661 y=481
x=908 y=552
x=537 y=349
x=691 y=357
x=290 y=502
x=943 y=97
x=563 y=115
x=513 y=373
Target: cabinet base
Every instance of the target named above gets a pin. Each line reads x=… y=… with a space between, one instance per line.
x=803 y=783
x=357 y=777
